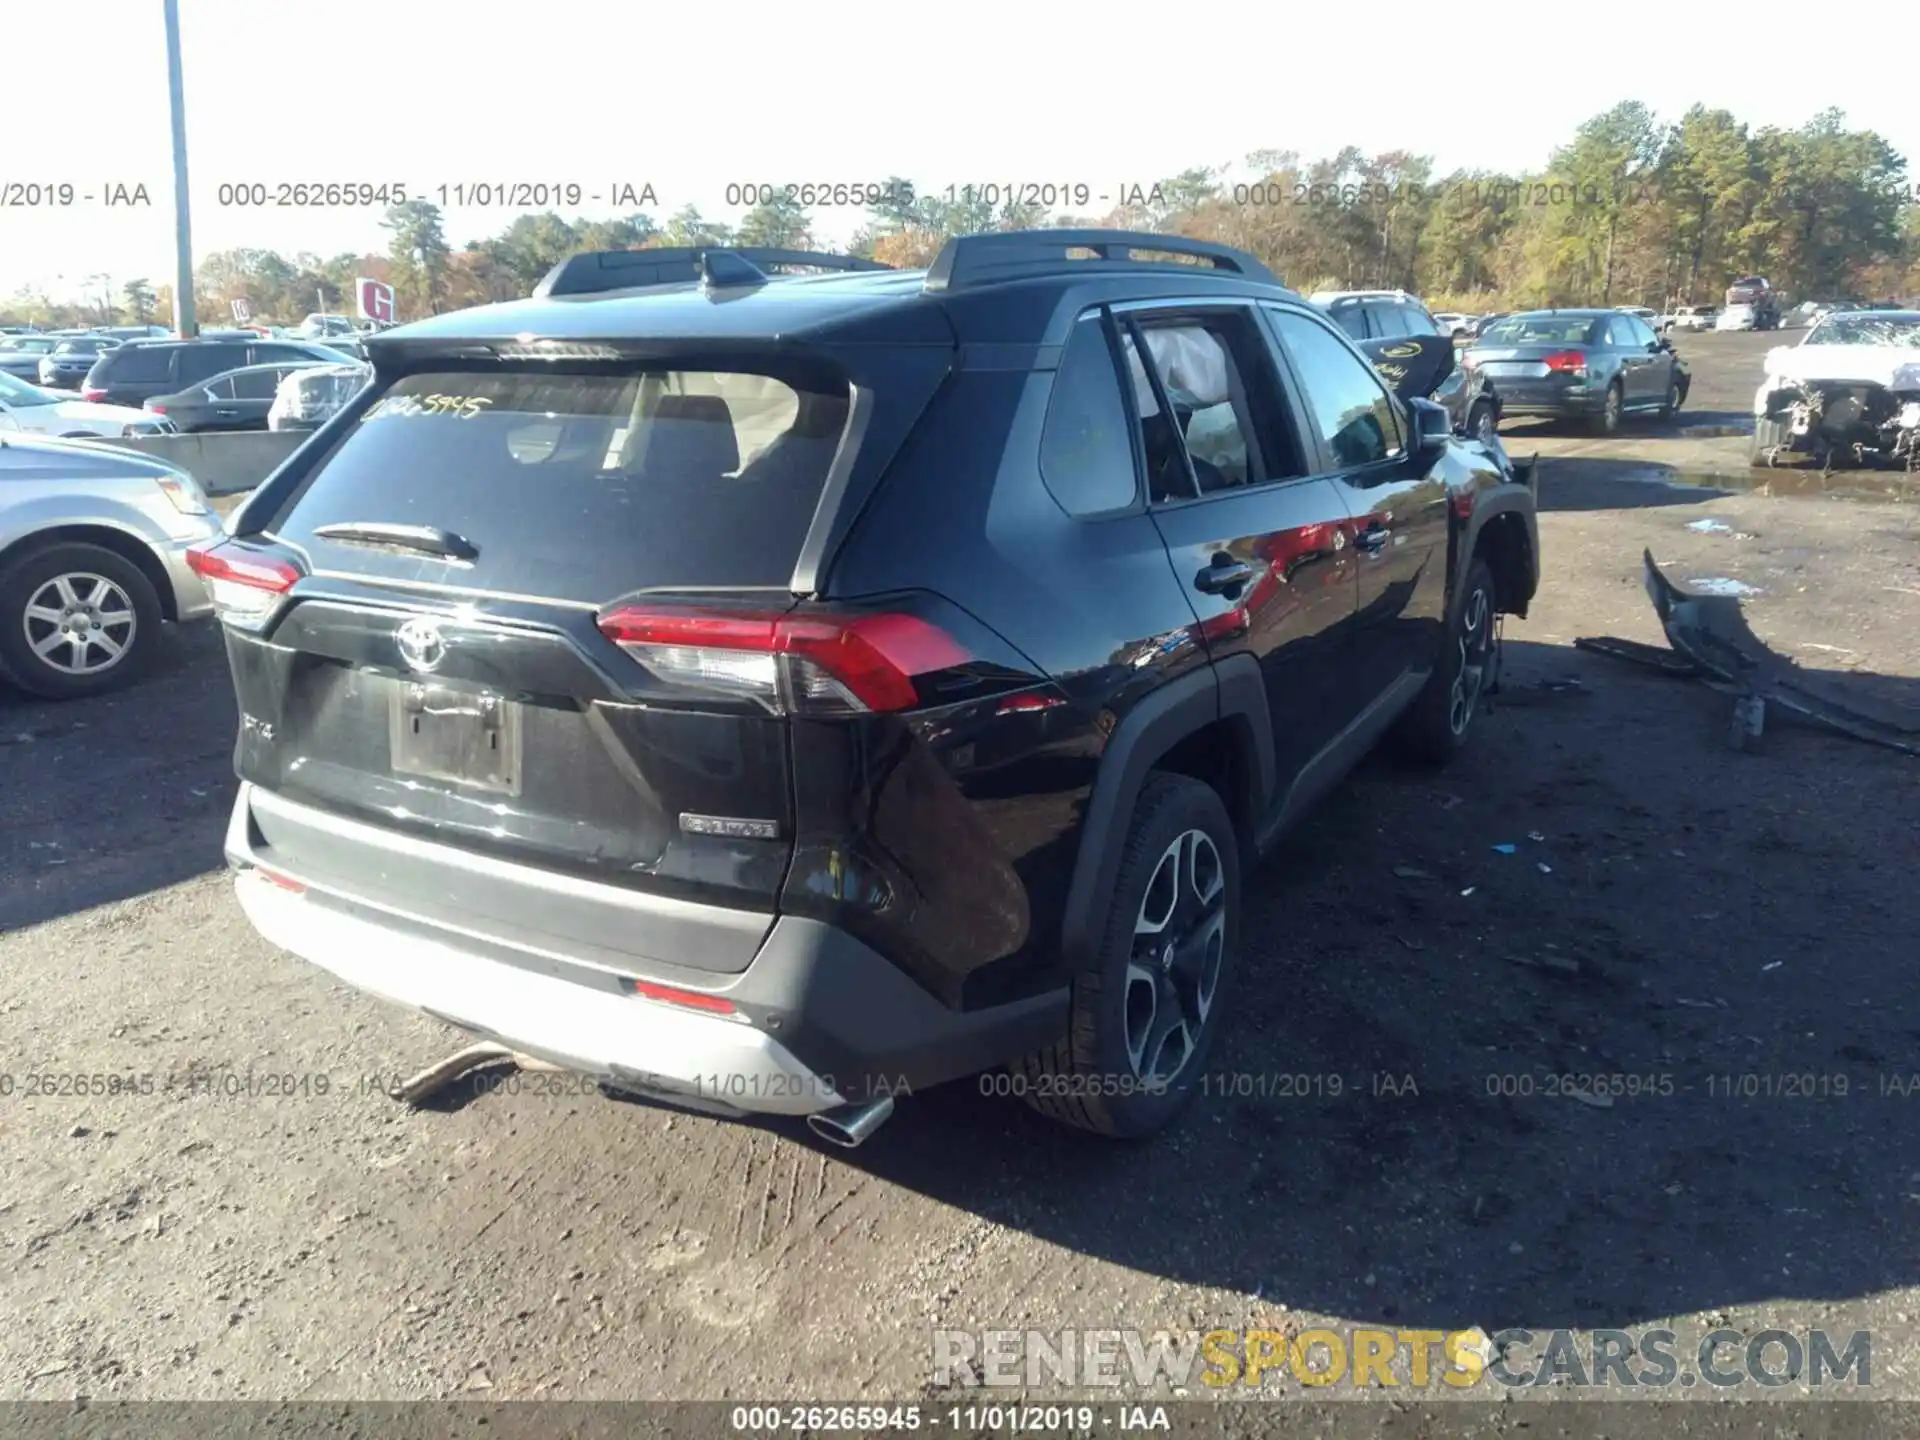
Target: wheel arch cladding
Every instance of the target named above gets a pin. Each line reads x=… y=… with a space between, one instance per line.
x=1504 y=544
x=1210 y=724
x=130 y=548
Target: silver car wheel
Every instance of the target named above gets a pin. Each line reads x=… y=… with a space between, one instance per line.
x=80 y=624
x=1179 y=936
x=1471 y=674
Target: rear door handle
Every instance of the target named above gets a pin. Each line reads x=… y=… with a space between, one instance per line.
x=1222 y=576
x=1370 y=539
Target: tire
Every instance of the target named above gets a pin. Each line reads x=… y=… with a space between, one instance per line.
x=1676 y=397
x=1437 y=725
x=67 y=582
x=1176 y=821
x=1483 y=421
x=1607 y=421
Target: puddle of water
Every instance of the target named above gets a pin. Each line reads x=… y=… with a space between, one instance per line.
x=1721 y=585
x=1891 y=485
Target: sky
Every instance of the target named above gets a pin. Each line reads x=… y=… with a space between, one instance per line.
x=688 y=99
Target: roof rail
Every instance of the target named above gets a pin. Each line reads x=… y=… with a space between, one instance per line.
x=593 y=271
x=969 y=260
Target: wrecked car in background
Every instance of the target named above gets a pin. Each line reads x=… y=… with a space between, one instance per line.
x=1848 y=394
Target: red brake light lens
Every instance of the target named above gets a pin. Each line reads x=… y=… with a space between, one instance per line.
x=1568 y=362
x=790 y=663
x=246 y=588
x=93 y=394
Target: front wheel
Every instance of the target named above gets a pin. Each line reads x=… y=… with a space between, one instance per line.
x=76 y=620
x=1148 y=1004
x=1436 y=726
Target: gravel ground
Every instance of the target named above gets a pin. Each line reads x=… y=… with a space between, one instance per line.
x=1672 y=911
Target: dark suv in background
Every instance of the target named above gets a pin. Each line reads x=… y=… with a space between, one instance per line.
x=768 y=691
x=141 y=370
x=1415 y=354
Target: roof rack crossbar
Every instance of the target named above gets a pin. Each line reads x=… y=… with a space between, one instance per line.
x=593 y=271
x=970 y=260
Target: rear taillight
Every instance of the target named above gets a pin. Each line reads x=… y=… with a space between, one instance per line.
x=1567 y=362
x=153 y=409
x=804 y=664
x=93 y=394
x=246 y=587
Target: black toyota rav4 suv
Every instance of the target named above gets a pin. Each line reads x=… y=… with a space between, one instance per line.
x=768 y=691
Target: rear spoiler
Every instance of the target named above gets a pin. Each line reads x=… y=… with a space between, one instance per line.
x=595 y=271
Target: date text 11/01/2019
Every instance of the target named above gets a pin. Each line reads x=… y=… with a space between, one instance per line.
x=457 y=195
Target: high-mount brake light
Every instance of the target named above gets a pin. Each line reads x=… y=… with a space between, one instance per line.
x=246 y=587
x=809 y=664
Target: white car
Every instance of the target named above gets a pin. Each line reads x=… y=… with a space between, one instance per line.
x=1849 y=389
x=308 y=397
x=1455 y=324
x=1693 y=317
x=1653 y=320
x=1737 y=317
x=29 y=410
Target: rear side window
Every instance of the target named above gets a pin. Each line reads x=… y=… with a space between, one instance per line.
x=255 y=384
x=1389 y=319
x=202 y=362
x=1418 y=321
x=139 y=364
x=585 y=485
x=1086 y=457
x=1351 y=319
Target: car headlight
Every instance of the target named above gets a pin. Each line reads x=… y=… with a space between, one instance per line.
x=186 y=497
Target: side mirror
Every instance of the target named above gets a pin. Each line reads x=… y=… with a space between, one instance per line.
x=1431 y=425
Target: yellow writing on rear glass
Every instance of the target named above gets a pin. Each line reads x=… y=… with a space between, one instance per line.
x=458 y=407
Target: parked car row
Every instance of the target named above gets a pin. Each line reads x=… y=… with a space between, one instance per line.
x=143 y=370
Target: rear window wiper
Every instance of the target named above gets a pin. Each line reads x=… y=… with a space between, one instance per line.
x=422 y=539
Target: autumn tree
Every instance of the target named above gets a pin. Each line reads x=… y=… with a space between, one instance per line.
x=419 y=255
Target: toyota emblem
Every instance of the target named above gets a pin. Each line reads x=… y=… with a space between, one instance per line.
x=421 y=644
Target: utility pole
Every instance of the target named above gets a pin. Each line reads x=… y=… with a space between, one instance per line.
x=184 y=323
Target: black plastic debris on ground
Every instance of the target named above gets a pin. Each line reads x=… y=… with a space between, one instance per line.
x=1712 y=642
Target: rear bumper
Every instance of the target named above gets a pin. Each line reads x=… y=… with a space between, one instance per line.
x=1517 y=400
x=819 y=1019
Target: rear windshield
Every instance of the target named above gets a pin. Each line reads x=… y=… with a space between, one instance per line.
x=584 y=486
x=1541 y=329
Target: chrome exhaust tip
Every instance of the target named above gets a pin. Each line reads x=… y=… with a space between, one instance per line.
x=851 y=1125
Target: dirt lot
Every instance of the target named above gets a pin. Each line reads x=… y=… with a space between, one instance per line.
x=1671 y=909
